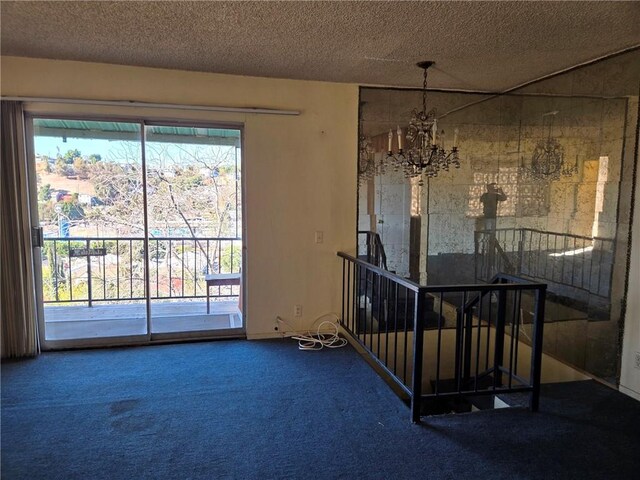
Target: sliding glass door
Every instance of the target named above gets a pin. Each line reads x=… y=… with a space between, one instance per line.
x=139 y=230
x=90 y=205
x=194 y=212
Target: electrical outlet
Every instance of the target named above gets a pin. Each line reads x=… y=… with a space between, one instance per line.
x=637 y=362
x=297 y=310
x=319 y=236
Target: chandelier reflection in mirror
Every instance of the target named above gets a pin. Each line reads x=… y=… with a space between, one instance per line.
x=368 y=167
x=425 y=153
x=547 y=162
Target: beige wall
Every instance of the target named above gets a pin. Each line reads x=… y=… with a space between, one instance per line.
x=299 y=171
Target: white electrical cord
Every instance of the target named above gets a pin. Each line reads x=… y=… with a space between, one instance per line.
x=319 y=340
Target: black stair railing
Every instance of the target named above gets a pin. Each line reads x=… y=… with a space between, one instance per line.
x=481 y=355
x=503 y=321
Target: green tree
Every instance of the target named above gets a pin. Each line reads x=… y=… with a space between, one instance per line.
x=80 y=167
x=71 y=155
x=44 y=194
x=62 y=168
x=72 y=209
x=231 y=258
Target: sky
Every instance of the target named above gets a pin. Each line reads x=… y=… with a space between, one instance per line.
x=114 y=150
x=52 y=146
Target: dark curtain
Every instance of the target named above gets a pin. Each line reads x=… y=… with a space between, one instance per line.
x=17 y=287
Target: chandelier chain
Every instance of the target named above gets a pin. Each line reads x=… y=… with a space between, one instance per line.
x=424 y=91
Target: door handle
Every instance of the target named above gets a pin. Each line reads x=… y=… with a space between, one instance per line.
x=37 y=237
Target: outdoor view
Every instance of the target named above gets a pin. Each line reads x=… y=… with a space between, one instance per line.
x=95 y=202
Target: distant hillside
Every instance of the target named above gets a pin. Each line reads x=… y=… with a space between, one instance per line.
x=72 y=185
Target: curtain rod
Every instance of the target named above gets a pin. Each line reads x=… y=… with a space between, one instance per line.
x=132 y=103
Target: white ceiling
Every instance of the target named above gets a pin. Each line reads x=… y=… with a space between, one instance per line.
x=476 y=45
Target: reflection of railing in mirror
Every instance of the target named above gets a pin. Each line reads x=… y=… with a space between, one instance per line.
x=112 y=269
x=561 y=259
x=374 y=249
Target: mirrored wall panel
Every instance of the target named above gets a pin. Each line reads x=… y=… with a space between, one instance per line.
x=536 y=183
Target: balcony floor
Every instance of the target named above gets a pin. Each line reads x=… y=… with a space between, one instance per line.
x=114 y=320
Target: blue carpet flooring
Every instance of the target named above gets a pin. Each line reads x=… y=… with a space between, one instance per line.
x=264 y=410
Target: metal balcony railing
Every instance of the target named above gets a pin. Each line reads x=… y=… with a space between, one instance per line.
x=81 y=269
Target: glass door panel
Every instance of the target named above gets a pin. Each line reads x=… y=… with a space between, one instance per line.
x=90 y=200
x=194 y=221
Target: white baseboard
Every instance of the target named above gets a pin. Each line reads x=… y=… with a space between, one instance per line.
x=631 y=393
x=274 y=335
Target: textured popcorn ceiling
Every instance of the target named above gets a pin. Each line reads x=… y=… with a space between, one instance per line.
x=476 y=45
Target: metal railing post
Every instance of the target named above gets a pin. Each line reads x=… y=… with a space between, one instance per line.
x=458 y=346
x=357 y=294
x=55 y=269
x=520 y=251
x=536 y=361
x=476 y=255
x=468 y=337
x=418 y=351
x=89 y=288
x=343 y=285
x=500 y=328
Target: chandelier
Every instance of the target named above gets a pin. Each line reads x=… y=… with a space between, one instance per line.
x=425 y=154
x=547 y=162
